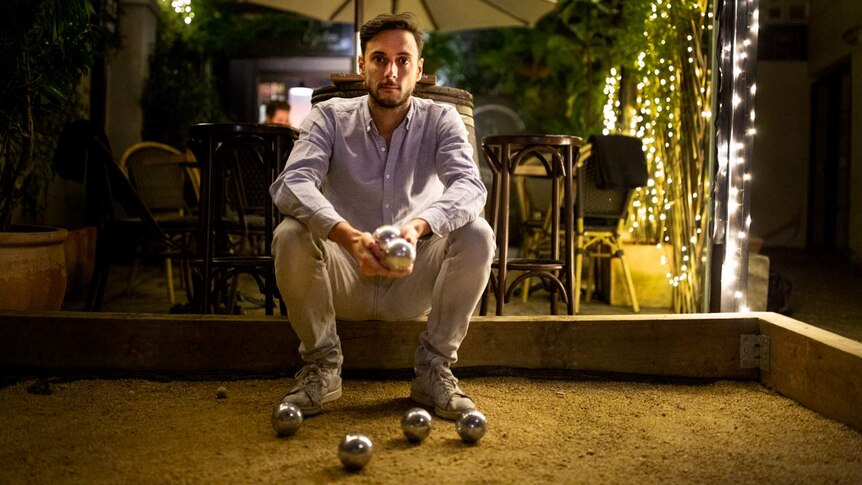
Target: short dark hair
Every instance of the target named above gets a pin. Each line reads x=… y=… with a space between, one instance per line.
x=276 y=105
x=381 y=23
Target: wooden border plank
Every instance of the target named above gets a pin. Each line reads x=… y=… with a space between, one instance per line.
x=663 y=345
x=818 y=369
x=146 y=343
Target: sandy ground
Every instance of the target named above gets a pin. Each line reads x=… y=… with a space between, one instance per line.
x=540 y=431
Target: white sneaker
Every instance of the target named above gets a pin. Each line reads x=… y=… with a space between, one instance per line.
x=438 y=388
x=316 y=385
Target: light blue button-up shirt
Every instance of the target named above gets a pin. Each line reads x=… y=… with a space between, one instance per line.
x=340 y=169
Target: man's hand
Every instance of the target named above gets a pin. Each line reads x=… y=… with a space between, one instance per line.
x=365 y=250
x=414 y=230
x=410 y=233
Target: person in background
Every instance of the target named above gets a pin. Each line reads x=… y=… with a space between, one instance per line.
x=385 y=158
x=277 y=113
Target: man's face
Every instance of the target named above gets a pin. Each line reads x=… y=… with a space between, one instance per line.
x=280 y=117
x=391 y=66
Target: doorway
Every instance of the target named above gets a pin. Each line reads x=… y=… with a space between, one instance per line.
x=829 y=182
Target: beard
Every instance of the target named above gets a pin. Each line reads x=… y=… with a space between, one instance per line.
x=397 y=100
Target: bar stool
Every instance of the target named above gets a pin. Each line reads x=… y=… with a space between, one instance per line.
x=506 y=155
x=223 y=149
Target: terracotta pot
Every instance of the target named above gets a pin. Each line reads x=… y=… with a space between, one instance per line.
x=32 y=268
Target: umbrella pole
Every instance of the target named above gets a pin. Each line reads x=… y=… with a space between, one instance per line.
x=357 y=23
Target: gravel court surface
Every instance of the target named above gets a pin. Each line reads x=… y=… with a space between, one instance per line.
x=540 y=430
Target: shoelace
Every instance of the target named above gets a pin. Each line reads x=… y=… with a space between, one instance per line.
x=308 y=374
x=445 y=380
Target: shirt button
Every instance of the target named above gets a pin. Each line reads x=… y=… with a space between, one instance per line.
x=382 y=149
x=387 y=177
x=386 y=205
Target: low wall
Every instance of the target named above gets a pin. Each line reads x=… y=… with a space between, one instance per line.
x=819 y=369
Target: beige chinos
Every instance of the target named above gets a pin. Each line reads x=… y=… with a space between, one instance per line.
x=320 y=282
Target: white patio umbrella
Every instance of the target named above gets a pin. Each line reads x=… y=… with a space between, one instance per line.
x=436 y=15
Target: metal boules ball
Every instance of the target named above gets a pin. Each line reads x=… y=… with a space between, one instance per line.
x=471 y=426
x=286 y=419
x=398 y=254
x=386 y=233
x=416 y=424
x=355 y=451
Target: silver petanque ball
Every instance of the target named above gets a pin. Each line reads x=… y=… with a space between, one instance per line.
x=471 y=426
x=398 y=254
x=355 y=451
x=416 y=424
x=386 y=233
x=286 y=419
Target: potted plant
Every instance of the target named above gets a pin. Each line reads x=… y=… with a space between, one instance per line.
x=46 y=46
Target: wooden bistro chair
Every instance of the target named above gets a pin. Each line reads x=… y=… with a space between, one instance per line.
x=508 y=156
x=238 y=164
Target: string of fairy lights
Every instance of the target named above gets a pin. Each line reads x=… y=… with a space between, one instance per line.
x=182 y=8
x=735 y=131
x=671 y=115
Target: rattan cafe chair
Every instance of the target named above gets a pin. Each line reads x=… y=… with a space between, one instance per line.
x=163 y=178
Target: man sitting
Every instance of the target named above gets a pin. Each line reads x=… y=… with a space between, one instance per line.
x=386 y=158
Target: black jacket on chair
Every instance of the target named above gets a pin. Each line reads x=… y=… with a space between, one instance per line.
x=620 y=161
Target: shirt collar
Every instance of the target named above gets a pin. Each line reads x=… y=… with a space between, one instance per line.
x=409 y=119
x=369 y=123
x=366 y=115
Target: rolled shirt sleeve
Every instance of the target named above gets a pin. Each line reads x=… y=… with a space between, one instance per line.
x=296 y=192
x=464 y=192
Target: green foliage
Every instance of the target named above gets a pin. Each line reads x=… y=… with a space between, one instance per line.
x=227 y=31
x=180 y=90
x=45 y=48
x=184 y=87
x=555 y=72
